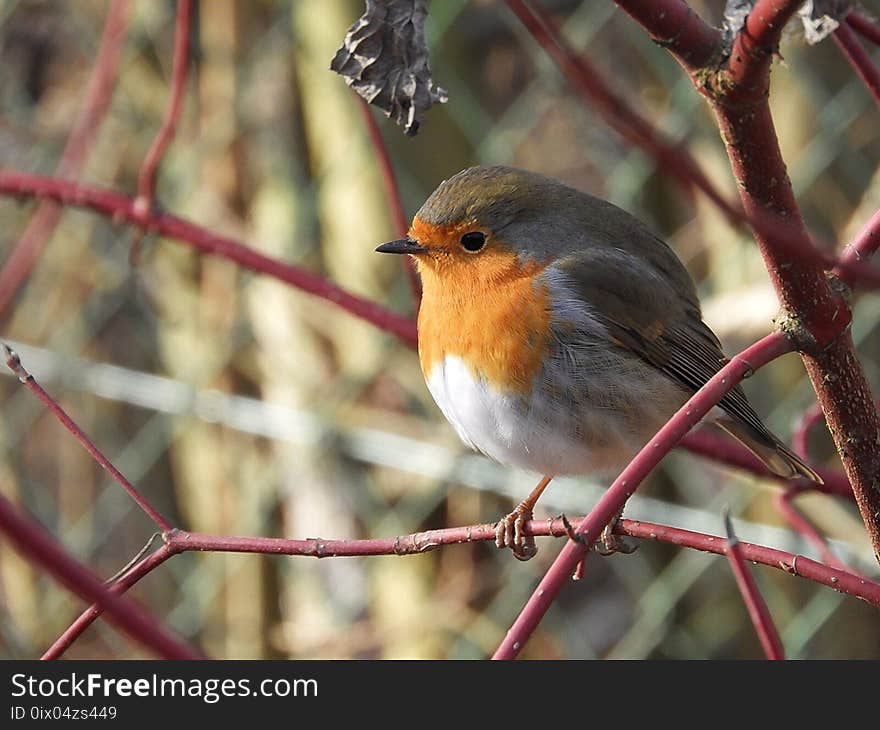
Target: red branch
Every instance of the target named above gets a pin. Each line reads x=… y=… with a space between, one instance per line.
x=386 y=167
x=179 y=66
x=672 y=158
x=392 y=192
x=801 y=525
x=818 y=317
x=858 y=58
x=725 y=451
x=96 y=101
x=863 y=246
x=751 y=594
x=178 y=541
x=676 y=27
x=809 y=419
x=620 y=116
x=864 y=27
x=120 y=207
x=748 y=74
x=75 y=630
x=14 y=363
x=39 y=547
x=612 y=502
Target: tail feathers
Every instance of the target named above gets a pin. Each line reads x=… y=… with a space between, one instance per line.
x=775 y=455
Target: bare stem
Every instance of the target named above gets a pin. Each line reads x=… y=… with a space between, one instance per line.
x=858 y=58
x=751 y=594
x=800 y=524
x=392 y=192
x=613 y=500
x=179 y=66
x=178 y=541
x=122 y=208
x=96 y=101
x=33 y=542
x=864 y=27
x=14 y=363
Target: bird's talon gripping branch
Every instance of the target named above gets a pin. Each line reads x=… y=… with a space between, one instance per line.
x=510 y=533
x=609 y=543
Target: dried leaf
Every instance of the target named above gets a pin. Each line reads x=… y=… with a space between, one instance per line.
x=820 y=18
x=385 y=60
x=735 y=14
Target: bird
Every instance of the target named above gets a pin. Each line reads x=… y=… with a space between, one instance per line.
x=557 y=333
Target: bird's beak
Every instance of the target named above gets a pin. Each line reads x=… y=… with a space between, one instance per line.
x=402 y=245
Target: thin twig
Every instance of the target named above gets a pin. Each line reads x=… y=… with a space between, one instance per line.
x=136 y=559
x=392 y=193
x=180 y=63
x=14 y=363
x=96 y=101
x=801 y=525
x=865 y=27
x=75 y=630
x=751 y=594
x=612 y=501
x=723 y=450
x=858 y=58
x=32 y=541
x=861 y=248
x=179 y=541
x=120 y=208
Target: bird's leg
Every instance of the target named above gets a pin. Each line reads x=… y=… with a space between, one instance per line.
x=609 y=543
x=509 y=531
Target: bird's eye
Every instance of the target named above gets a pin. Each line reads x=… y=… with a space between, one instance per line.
x=473 y=241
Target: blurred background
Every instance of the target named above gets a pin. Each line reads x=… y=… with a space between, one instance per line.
x=241 y=406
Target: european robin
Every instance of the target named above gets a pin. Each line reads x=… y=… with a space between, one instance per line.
x=558 y=334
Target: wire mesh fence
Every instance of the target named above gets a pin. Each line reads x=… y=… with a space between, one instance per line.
x=241 y=406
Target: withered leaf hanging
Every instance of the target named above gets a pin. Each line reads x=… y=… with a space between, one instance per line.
x=820 y=18
x=385 y=60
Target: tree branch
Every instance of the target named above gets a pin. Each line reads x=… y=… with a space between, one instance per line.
x=674 y=25
x=96 y=101
x=751 y=594
x=747 y=77
x=817 y=317
x=858 y=58
x=863 y=26
x=612 y=502
x=32 y=541
x=392 y=192
x=179 y=66
x=120 y=207
x=178 y=541
x=14 y=363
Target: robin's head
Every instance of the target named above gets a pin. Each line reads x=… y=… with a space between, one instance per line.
x=489 y=222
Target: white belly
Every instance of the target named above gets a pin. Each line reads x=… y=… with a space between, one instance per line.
x=520 y=432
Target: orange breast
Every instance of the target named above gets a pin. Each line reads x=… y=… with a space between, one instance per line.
x=493 y=315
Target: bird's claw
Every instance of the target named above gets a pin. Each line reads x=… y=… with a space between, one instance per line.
x=510 y=533
x=609 y=543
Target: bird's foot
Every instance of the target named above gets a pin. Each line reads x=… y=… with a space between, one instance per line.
x=510 y=533
x=609 y=543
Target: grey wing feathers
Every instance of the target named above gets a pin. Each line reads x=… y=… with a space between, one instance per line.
x=663 y=326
